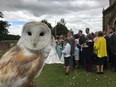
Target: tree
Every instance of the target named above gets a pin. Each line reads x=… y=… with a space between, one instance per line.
x=48 y=24
x=4 y=30
x=3 y=26
x=9 y=37
x=60 y=29
x=1 y=15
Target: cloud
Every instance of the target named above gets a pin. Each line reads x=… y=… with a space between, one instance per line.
x=22 y=15
x=41 y=7
x=78 y=14
x=15 y=29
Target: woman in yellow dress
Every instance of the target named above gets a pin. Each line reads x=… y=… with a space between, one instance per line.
x=101 y=52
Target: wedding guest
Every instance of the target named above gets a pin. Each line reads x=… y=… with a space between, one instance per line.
x=61 y=39
x=82 y=40
x=67 y=56
x=72 y=43
x=94 y=50
x=113 y=47
x=58 y=47
x=106 y=36
x=76 y=53
x=100 y=46
x=87 y=31
x=88 y=46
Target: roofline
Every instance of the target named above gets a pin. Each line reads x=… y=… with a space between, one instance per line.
x=109 y=8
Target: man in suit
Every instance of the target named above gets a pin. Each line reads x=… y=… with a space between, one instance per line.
x=106 y=36
x=72 y=43
x=82 y=40
x=113 y=47
x=87 y=31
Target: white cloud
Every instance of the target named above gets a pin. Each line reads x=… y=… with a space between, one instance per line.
x=15 y=29
x=78 y=14
x=19 y=15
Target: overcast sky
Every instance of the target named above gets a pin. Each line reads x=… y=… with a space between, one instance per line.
x=78 y=14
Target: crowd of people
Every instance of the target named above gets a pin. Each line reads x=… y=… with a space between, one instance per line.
x=85 y=51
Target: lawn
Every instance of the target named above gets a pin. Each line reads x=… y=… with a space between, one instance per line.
x=53 y=76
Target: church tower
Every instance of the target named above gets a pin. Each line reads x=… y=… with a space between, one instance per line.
x=109 y=16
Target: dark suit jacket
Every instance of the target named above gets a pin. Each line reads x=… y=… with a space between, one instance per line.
x=82 y=39
x=113 y=43
x=72 y=43
x=107 y=42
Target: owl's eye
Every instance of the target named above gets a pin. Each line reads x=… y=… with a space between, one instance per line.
x=29 y=33
x=41 y=34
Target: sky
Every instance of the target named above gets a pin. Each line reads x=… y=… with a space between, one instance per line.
x=78 y=14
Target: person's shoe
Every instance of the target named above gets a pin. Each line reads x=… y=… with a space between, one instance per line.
x=97 y=72
x=114 y=70
x=102 y=73
x=67 y=73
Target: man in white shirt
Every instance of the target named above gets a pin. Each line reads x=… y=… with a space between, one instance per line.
x=67 y=55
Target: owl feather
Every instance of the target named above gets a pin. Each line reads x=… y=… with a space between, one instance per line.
x=21 y=64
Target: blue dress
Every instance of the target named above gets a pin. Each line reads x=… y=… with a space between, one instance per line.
x=58 y=50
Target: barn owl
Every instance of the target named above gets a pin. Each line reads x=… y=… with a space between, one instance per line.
x=22 y=63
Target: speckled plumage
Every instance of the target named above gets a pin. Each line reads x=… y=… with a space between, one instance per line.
x=20 y=65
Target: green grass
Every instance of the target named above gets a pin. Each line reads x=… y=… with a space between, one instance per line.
x=53 y=76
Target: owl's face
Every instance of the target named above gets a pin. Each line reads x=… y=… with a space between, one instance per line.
x=35 y=36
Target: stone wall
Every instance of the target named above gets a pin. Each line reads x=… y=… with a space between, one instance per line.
x=109 y=17
x=7 y=44
x=4 y=45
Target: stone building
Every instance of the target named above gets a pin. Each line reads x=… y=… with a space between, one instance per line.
x=109 y=16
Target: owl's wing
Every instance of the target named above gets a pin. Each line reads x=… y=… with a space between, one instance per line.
x=16 y=68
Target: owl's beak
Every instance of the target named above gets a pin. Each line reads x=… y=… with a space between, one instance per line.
x=34 y=44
